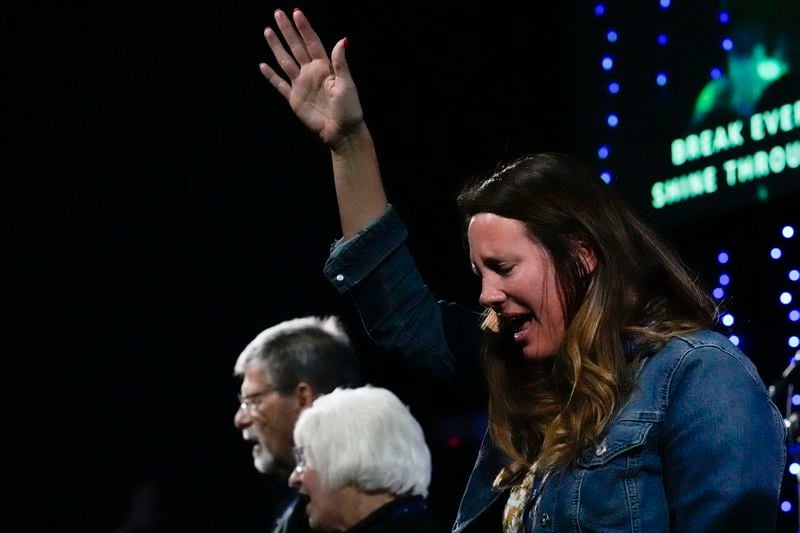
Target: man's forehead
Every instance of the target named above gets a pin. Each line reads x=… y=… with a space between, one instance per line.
x=256 y=376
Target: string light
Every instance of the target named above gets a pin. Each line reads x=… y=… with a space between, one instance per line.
x=727 y=44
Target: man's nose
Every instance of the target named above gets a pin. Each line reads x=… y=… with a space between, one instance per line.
x=242 y=419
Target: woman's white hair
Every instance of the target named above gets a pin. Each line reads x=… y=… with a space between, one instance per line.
x=366 y=437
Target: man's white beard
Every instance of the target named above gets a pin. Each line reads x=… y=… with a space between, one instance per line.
x=263 y=459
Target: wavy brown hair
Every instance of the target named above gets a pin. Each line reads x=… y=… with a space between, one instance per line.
x=639 y=295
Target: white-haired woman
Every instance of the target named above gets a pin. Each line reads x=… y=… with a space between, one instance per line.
x=363 y=464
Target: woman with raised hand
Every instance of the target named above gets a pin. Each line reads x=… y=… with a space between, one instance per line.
x=613 y=406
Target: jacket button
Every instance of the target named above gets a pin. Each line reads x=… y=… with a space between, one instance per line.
x=546 y=520
x=601 y=449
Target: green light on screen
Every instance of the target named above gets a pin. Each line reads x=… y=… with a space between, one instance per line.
x=771 y=69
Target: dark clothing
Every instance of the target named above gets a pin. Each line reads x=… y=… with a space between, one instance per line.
x=403 y=515
x=292 y=518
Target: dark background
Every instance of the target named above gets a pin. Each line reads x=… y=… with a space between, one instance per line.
x=164 y=206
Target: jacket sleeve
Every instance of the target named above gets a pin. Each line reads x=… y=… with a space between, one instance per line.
x=723 y=444
x=397 y=309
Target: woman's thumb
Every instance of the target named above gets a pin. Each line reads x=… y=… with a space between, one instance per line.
x=338 y=59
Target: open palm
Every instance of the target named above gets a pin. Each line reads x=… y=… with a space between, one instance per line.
x=319 y=90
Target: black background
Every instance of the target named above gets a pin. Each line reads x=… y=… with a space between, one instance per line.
x=163 y=206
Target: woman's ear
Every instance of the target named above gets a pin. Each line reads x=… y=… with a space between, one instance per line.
x=587 y=255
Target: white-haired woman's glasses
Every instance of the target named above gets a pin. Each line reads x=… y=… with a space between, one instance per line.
x=299 y=459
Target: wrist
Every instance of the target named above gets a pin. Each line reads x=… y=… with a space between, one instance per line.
x=353 y=142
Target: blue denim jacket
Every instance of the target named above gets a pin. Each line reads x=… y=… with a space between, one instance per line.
x=697 y=446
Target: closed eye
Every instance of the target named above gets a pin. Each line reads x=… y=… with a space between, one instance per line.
x=500 y=267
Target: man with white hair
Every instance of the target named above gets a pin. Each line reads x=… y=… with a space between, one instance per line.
x=284 y=369
x=363 y=464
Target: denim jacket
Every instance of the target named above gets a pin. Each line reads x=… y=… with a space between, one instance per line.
x=697 y=446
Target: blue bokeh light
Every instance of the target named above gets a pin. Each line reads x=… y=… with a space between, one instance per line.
x=715 y=73
x=607 y=63
x=794 y=315
x=793 y=341
x=612 y=36
x=662 y=39
x=775 y=253
x=661 y=79
x=605 y=176
x=734 y=340
x=727 y=319
x=600 y=10
x=786 y=506
x=613 y=87
x=664 y=3
x=719 y=293
x=786 y=298
x=724 y=17
x=603 y=152
x=724 y=279
x=787 y=232
x=727 y=44
x=794 y=274
x=612 y=119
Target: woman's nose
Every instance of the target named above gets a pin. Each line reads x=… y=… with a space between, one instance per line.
x=491 y=295
x=296 y=478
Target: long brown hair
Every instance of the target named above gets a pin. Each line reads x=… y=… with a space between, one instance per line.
x=639 y=293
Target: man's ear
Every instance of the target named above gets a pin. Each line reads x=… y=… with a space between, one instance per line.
x=304 y=394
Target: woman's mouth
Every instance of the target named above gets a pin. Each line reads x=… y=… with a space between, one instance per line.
x=519 y=324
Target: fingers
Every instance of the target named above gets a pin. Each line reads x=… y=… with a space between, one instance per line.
x=279 y=83
x=296 y=44
x=304 y=44
x=286 y=61
x=338 y=59
x=312 y=40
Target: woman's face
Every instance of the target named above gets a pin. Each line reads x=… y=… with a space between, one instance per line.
x=518 y=281
x=326 y=507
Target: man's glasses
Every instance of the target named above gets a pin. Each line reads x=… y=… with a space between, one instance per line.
x=251 y=402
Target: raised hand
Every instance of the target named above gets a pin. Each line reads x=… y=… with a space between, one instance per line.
x=319 y=90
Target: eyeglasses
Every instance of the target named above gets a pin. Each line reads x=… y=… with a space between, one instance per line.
x=251 y=402
x=299 y=459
